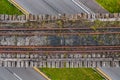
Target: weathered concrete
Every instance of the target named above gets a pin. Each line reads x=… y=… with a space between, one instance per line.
x=112 y=39
x=60 y=60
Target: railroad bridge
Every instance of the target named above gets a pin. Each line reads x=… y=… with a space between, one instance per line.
x=60 y=47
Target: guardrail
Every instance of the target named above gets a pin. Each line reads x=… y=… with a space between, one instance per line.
x=24 y=18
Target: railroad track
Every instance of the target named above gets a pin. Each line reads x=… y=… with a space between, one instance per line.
x=54 y=34
x=57 y=31
x=59 y=49
x=63 y=29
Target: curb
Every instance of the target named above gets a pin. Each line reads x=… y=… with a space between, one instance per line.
x=104 y=74
x=36 y=69
x=19 y=7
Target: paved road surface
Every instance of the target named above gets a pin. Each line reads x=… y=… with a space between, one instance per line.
x=6 y=75
x=19 y=74
x=52 y=7
x=93 y=5
x=114 y=73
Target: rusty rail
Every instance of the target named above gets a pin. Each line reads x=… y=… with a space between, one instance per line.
x=59 y=49
x=57 y=31
x=53 y=34
x=40 y=29
x=94 y=51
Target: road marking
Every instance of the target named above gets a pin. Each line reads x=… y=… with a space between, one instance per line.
x=103 y=73
x=56 y=10
x=19 y=7
x=41 y=73
x=17 y=76
x=80 y=6
x=87 y=10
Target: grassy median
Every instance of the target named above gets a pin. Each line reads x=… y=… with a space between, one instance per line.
x=8 y=8
x=112 y=6
x=71 y=74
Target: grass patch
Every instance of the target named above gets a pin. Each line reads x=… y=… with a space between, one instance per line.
x=112 y=6
x=72 y=74
x=8 y=8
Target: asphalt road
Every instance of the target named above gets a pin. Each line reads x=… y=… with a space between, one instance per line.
x=93 y=5
x=6 y=75
x=114 y=73
x=51 y=7
x=19 y=74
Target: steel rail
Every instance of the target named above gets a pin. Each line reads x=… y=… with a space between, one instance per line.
x=90 y=51
x=39 y=29
x=59 y=47
x=53 y=34
x=69 y=49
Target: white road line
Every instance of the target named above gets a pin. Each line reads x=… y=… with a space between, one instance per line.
x=86 y=9
x=17 y=76
x=80 y=6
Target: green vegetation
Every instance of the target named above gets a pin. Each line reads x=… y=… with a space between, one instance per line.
x=72 y=74
x=8 y=8
x=111 y=5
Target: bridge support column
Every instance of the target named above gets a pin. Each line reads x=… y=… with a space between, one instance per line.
x=36 y=64
x=44 y=64
x=67 y=64
x=48 y=64
x=31 y=63
x=71 y=64
x=98 y=63
x=89 y=63
x=5 y=63
x=9 y=64
x=75 y=64
x=116 y=64
x=26 y=64
x=0 y=63
x=18 y=64
x=21 y=64
x=12 y=63
x=57 y=64
x=80 y=64
x=53 y=64
x=94 y=64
